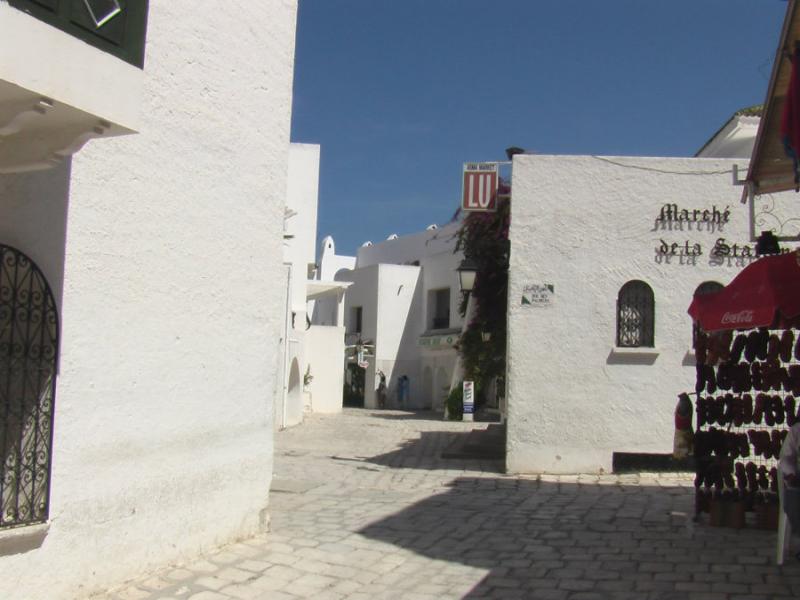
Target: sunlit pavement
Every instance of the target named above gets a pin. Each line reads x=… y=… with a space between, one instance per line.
x=363 y=507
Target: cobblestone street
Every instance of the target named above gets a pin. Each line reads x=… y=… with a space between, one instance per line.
x=363 y=507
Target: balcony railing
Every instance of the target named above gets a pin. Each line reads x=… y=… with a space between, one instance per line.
x=118 y=27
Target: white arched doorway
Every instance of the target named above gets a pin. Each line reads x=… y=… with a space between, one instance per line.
x=442 y=388
x=427 y=387
x=294 y=396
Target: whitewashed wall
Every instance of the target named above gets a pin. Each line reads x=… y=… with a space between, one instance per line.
x=587 y=225
x=363 y=293
x=399 y=318
x=331 y=263
x=330 y=267
x=325 y=356
x=299 y=241
x=171 y=307
x=408 y=248
x=433 y=250
x=301 y=222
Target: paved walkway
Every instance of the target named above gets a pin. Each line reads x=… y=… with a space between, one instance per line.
x=363 y=508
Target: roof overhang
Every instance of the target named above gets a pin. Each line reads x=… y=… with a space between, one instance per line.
x=316 y=288
x=57 y=92
x=770 y=169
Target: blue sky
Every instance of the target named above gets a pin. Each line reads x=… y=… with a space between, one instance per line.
x=400 y=93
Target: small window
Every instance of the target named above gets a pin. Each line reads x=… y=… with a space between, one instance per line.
x=356 y=319
x=636 y=316
x=439 y=308
x=707 y=287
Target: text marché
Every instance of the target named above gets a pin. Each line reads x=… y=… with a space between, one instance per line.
x=671 y=212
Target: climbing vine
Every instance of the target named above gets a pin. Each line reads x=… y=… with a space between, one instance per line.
x=483 y=238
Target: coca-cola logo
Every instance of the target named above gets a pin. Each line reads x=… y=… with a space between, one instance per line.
x=743 y=316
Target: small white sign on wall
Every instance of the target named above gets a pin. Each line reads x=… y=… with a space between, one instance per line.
x=469 y=400
x=538 y=294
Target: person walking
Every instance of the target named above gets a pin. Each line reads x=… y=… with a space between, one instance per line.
x=381 y=392
x=402 y=390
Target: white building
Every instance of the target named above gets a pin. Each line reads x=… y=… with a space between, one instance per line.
x=325 y=311
x=606 y=254
x=591 y=238
x=146 y=338
x=314 y=352
x=735 y=139
x=404 y=300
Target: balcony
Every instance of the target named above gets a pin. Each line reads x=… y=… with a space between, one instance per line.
x=114 y=26
x=70 y=71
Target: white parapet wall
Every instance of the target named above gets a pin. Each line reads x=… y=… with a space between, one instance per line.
x=164 y=252
x=581 y=228
x=325 y=357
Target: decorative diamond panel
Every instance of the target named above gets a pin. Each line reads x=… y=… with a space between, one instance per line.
x=102 y=11
x=118 y=27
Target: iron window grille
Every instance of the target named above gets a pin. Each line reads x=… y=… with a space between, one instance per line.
x=636 y=316
x=28 y=358
x=707 y=287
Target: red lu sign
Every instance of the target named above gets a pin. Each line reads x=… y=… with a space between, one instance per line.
x=480 y=187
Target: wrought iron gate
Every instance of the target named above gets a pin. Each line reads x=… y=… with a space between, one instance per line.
x=28 y=355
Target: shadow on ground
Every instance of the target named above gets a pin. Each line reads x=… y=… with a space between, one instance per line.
x=396 y=414
x=445 y=450
x=579 y=542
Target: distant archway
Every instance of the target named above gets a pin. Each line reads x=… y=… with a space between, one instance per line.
x=294 y=395
x=341 y=273
x=442 y=388
x=427 y=387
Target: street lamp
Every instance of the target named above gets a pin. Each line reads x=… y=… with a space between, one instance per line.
x=767 y=243
x=467 y=271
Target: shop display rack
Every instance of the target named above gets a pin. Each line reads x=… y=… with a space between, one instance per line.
x=747 y=395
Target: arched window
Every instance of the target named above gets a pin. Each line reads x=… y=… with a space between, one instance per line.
x=636 y=307
x=707 y=287
x=28 y=356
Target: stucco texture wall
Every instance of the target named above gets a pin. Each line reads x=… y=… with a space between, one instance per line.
x=587 y=225
x=301 y=223
x=325 y=356
x=172 y=306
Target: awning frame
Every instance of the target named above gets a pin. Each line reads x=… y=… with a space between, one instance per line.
x=770 y=169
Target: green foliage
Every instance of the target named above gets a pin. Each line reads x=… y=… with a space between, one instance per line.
x=483 y=237
x=455 y=403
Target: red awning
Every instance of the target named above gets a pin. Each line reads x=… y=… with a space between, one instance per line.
x=764 y=291
x=771 y=169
